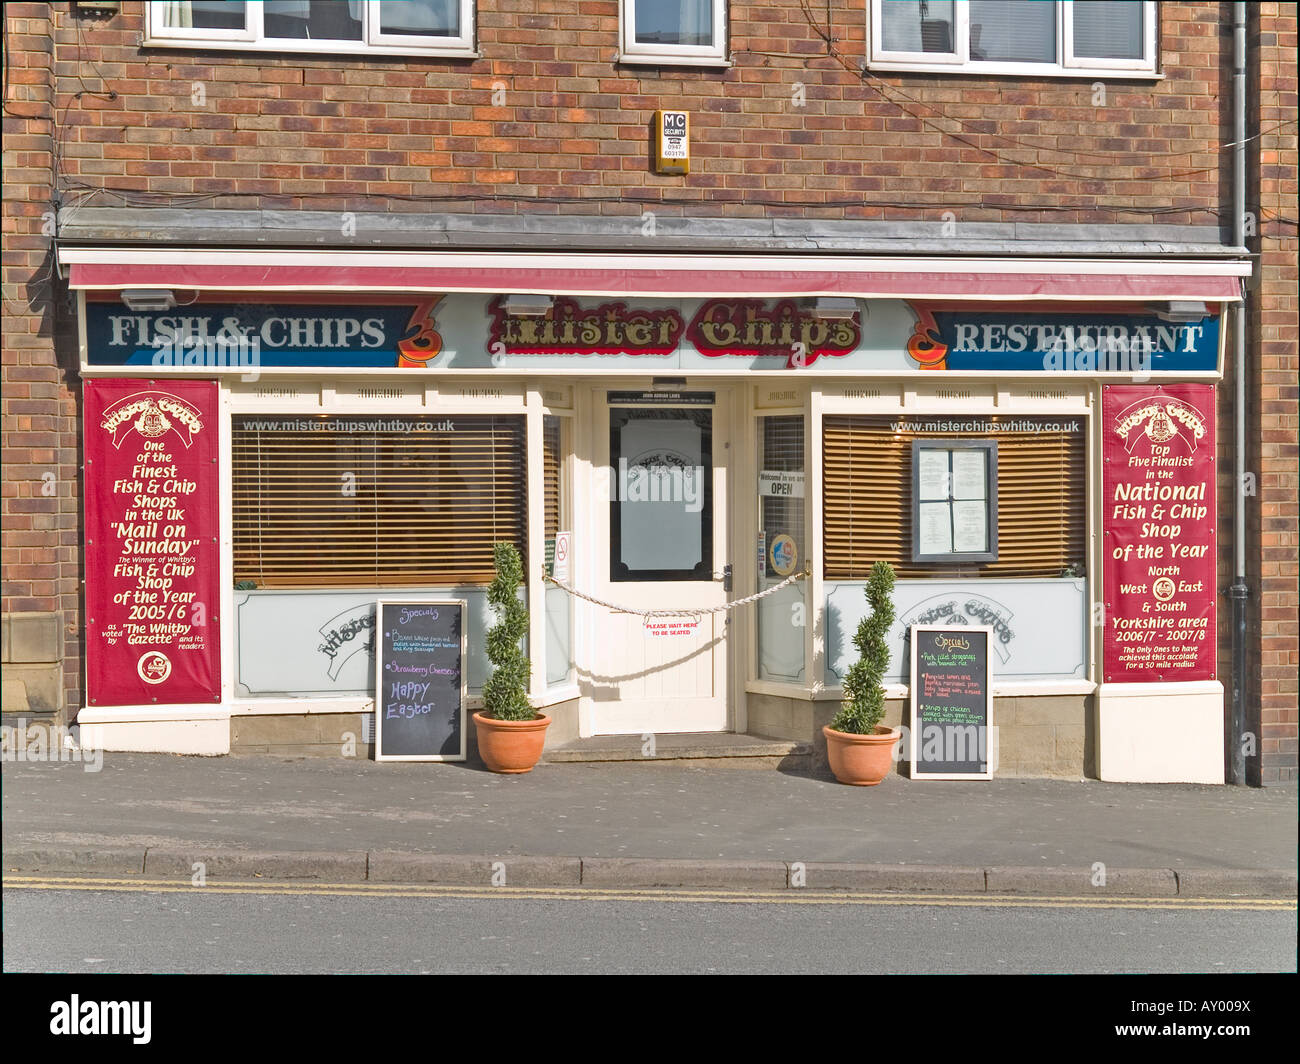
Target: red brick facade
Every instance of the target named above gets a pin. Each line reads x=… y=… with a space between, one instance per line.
x=1274 y=331
x=548 y=122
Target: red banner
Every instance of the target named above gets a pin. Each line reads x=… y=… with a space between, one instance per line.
x=152 y=559
x=1159 y=533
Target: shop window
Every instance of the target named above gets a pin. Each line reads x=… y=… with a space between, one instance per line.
x=375 y=502
x=954 y=501
x=674 y=32
x=559 y=607
x=1078 y=38
x=783 y=547
x=442 y=27
x=1036 y=505
x=781 y=495
x=552 y=466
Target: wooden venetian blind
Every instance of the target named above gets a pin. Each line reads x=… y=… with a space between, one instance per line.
x=551 y=460
x=1042 y=499
x=375 y=501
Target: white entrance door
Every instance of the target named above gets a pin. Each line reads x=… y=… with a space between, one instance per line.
x=664 y=546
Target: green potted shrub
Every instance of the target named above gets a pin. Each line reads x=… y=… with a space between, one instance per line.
x=861 y=749
x=510 y=732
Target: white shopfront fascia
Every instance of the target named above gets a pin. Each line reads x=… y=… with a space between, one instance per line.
x=278 y=275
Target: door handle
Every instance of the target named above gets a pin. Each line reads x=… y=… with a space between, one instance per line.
x=726 y=578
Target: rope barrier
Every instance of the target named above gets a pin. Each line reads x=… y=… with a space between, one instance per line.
x=645 y=614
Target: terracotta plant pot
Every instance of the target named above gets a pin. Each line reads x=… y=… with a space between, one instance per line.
x=861 y=760
x=511 y=745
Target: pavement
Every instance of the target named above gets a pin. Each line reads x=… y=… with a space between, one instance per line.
x=629 y=825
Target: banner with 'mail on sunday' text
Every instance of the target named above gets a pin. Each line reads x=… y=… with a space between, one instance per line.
x=152 y=557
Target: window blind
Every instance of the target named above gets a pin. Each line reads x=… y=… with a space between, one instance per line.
x=1108 y=29
x=782 y=441
x=867 y=480
x=1020 y=31
x=379 y=502
x=552 y=457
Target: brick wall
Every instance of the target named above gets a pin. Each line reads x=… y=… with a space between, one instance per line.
x=302 y=131
x=1273 y=347
x=39 y=437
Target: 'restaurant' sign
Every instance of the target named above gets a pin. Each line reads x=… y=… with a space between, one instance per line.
x=1159 y=524
x=152 y=562
x=975 y=337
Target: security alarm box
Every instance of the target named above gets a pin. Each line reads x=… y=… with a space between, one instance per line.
x=672 y=142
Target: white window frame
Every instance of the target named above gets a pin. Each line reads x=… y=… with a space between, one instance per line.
x=373 y=42
x=1066 y=65
x=714 y=55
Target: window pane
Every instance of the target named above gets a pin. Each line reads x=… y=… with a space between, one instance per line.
x=331 y=502
x=783 y=546
x=688 y=22
x=316 y=20
x=916 y=26
x=1041 y=476
x=1012 y=31
x=420 y=18
x=1108 y=29
x=203 y=15
x=661 y=514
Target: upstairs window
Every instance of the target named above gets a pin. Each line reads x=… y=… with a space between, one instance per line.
x=674 y=32
x=1073 y=38
x=441 y=27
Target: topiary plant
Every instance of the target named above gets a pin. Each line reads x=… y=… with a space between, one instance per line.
x=864 y=689
x=505 y=694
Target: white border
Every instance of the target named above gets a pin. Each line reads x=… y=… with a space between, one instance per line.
x=1066 y=65
x=914 y=731
x=631 y=51
x=379 y=677
x=252 y=39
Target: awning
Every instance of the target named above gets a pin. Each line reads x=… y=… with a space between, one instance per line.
x=653 y=276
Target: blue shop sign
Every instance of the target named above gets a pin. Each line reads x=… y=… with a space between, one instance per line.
x=471 y=332
x=237 y=335
x=958 y=338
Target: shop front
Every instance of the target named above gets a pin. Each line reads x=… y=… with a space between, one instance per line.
x=288 y=437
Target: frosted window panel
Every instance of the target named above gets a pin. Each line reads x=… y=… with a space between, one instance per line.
x=688 y=22
x=420 y=18
x=1012 y=31
x=660 y=476
x=1108 y=29
x=911 y=26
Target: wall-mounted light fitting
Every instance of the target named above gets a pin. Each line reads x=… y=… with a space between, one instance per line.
x=834 y=308
x=527 y=305
x=1179 y=310
x=149 y=298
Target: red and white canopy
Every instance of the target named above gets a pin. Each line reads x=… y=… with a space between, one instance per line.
x=654 y=276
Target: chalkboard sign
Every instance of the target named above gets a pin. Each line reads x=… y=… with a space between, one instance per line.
x=951 y=737
x=420 y=681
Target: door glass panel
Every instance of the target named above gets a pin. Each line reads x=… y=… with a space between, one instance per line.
x=661 y=503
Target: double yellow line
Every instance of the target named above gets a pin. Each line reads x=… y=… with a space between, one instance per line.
x=792 y=896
